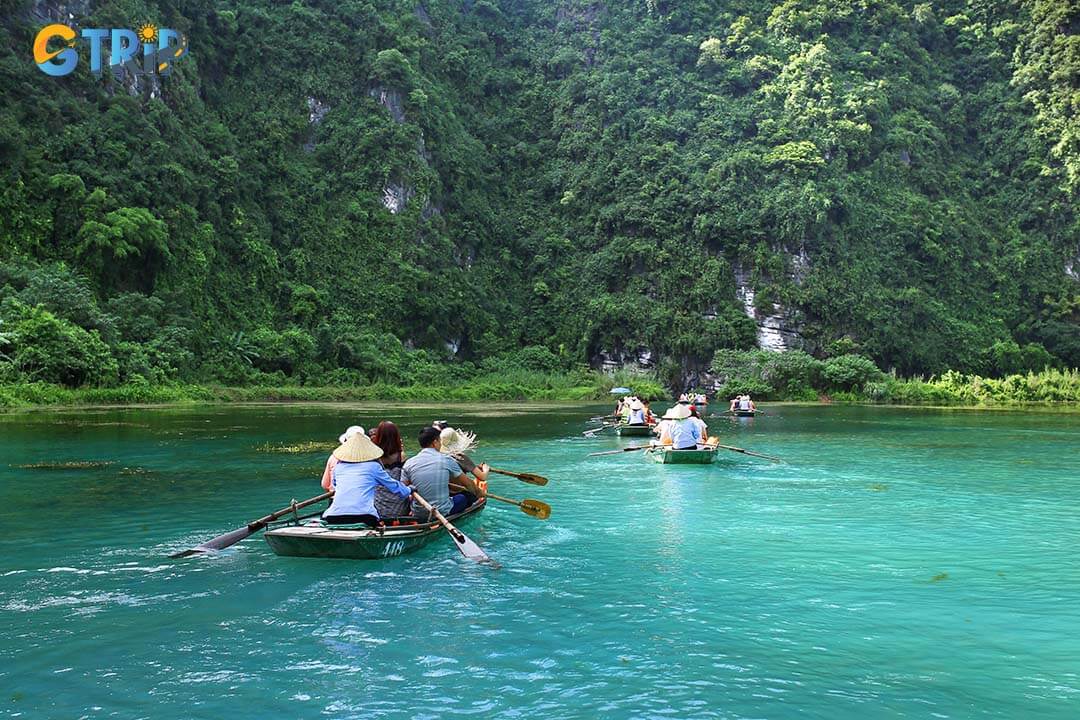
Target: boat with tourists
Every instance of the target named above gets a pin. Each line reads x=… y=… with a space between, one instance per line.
x=702 y=455
x=309 y=536
x=628 y=430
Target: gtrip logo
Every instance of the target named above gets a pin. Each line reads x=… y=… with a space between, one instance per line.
x=147 y=51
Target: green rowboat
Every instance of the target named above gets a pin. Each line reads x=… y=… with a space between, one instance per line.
x=308 y=537
x=745 y=413
x=625 y=430
x=704 y=455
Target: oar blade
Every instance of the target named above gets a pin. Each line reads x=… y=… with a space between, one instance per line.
x=532 y=479
x=468 y=548
x=524 y=477
x=536 y=508
x=219 y=543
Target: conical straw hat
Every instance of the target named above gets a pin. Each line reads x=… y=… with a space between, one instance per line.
x=358 y=448
x=677 y=412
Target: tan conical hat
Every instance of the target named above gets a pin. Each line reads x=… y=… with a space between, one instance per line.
x=677 y=412
x=358 y=448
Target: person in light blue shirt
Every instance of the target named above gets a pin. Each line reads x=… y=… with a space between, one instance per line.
x=430 y=473
x=680 y=431
x=354 y=478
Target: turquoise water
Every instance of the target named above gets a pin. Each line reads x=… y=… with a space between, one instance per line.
x=900 y=564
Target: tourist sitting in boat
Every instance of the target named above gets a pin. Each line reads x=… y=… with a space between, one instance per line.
x=354 y=478
x=637 y=413
x=624 y=412
x=430 y=473
x=327 y=478
x=743 y=403
x=388 y=438
x=695 y=417
x=680 y=432
x=650 y=419
x=456 y=443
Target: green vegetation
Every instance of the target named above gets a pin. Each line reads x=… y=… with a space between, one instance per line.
x=569 y=180
x=855 y=378
x=516 y=385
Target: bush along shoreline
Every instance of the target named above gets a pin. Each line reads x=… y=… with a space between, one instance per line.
x=767 y=376
x=796 y=375
x=521 y=386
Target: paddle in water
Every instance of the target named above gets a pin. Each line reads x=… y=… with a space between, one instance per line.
x=231 y=538
x=464 y=545
x=750 y=452
x=523 y=477
x=616 y=452
x=529 y=506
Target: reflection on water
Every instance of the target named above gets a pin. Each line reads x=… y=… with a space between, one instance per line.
x=910 y=563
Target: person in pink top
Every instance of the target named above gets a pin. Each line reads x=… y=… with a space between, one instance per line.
x=328 y=473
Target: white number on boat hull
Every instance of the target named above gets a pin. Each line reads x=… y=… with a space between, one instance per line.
x=393 y=548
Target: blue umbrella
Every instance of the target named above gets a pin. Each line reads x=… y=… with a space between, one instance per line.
x=620 y=391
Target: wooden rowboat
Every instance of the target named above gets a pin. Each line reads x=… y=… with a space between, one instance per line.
x=625 y=430
x=308 y=536
x=704 y=455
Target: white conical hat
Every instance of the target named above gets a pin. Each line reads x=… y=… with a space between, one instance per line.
x=677 y=412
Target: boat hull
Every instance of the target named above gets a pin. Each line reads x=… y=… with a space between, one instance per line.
x=667 y=456
x=634 y=430
x=311 y=539
x=745 y=413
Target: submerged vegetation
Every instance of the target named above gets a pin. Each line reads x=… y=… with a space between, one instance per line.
x=391 y=198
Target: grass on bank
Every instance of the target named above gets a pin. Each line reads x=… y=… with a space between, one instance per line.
x=795 y=375
x=514 y=386
x=1049 y=386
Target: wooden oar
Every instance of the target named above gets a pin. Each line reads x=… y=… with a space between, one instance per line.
x=464 y=545
x=616 y=452
x=749 y=452
x=605 y=426
x=523 y=477
x=529 y=506
x=231 y=538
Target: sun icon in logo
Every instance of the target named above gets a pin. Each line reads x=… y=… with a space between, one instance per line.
x=148 y=33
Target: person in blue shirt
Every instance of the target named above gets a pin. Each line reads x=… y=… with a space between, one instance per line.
x=679 y=431
x=354 y=479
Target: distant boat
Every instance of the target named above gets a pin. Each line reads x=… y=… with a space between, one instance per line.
x=626 y=430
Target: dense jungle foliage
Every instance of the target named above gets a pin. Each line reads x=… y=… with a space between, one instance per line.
x=569 y=180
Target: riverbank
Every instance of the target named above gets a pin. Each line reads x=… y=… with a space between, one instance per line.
x=545 y=388
x=1050 y=387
